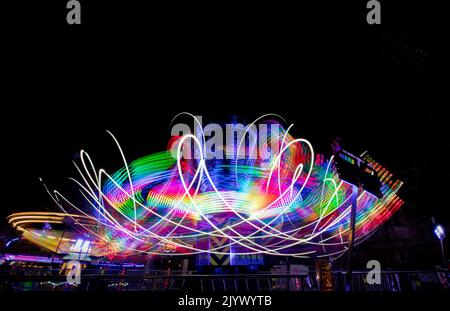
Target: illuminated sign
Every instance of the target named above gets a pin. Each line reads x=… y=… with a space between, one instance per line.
x=358 y=172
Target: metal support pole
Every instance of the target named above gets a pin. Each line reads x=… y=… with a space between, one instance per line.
x=351 y=240
x=443 y=254
x=59 y=243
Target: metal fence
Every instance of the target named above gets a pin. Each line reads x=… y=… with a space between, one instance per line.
x=140 y=280
x=392 y=281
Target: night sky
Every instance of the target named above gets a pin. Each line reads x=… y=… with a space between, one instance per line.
x=378 y=89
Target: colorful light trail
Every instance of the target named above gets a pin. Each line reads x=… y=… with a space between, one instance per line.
x=289 y=204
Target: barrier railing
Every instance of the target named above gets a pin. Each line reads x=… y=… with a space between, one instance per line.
x=140 y=280
x=392 y=281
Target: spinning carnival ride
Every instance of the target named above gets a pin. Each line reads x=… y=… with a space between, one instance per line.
x=291 y=203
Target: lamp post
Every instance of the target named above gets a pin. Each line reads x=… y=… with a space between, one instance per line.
x=440 y=234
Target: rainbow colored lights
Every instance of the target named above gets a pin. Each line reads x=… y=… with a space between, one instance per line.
x=290 y=204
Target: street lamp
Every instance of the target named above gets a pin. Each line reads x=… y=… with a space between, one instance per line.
x=440 y=233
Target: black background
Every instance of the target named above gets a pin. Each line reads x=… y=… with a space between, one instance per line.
x=130 y=67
